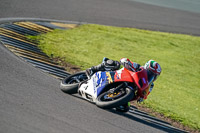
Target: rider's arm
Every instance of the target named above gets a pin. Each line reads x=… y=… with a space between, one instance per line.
x=151 y=87
x=129 y=64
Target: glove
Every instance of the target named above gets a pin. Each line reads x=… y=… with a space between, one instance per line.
x=129 y=65
x=124 y=61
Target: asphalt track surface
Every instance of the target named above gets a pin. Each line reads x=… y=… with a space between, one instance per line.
x=125 y=13
x=30 y=100
x=186 y=5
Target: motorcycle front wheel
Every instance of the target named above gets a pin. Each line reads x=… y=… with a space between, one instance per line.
x=70 y=83
x=111 y=100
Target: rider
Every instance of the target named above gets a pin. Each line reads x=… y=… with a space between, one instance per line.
x=107 y=65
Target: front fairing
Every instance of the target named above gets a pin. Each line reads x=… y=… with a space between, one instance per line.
x=141 y=81
x=96 y=85
x=102 y=79
x=139 y=78
x=123 y=75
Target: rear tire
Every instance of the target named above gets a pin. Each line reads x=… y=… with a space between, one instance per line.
x=102 y=102
x=70 y=83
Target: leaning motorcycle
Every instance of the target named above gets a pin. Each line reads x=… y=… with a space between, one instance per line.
x=109 y=89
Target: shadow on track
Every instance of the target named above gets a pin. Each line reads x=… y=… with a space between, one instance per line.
x=149 y=120
x=144 y=118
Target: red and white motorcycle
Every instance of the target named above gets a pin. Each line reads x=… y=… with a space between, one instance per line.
x=110 y=89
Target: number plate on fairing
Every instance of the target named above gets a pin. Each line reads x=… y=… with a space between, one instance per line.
x=94 y=86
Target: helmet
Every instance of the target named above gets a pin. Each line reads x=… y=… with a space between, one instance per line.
x=153 y=67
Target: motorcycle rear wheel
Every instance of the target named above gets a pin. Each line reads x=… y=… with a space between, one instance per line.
x=70 y=83
x=107 y=100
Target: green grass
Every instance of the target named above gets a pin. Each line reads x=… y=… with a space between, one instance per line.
x=177 y=91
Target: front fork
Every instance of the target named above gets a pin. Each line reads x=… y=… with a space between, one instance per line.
x=123 y=85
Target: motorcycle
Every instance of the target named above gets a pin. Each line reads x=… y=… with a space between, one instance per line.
x=109 y=89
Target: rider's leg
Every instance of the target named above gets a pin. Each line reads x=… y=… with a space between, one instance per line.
x=108 y=65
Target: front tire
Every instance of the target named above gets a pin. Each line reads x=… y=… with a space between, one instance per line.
x=106 y=102
x=70 y=83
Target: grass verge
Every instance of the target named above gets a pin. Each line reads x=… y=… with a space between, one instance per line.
x=176 y=93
